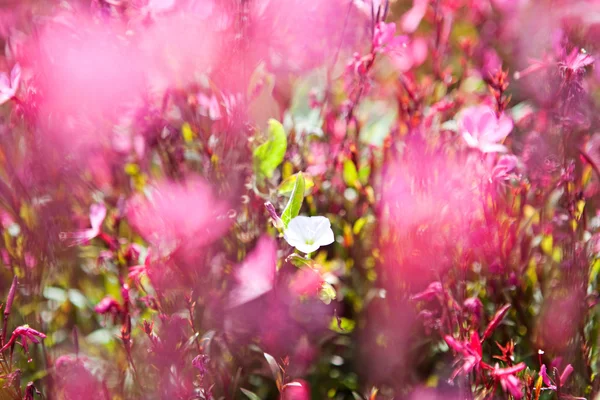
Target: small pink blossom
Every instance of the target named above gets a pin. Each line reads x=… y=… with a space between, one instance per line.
x=108 y=305
x=25 y=334
x=506 y=164
x=483 y=130
x=564 y=376
x=175 y=214
x=385 y=39
x=209 y=106
x=412 y=18
x=509 y=382
x=575 y=63
x=97 y=216
x=9 y=85
x=470 y=352
x=255 y=276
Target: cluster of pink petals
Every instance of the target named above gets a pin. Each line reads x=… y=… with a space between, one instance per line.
x=25 y=334
x=174 y=214
x=255 y=276
x=385 y=39
x=509 y=382
x=482 y=129
x=9 y=85
x=470 y=352
x=97 y=216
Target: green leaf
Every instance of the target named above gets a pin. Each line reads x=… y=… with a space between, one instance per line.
x=269 y=155
x=292 y=209
x=350 y=174
x=287 y=186
x=249 y=394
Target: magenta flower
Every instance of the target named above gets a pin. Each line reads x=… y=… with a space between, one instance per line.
x=509 y=382
x=9 y=85
x=483 y=130
x=108 y=305
x=384 y=38
x=563 y=377
x=209 y=106
x=575 y=63
x=97 y=216
x=470 y=352
x=506 y=164
x=175 y=214
x=255 y=276
x=411 y=20
x=25 y=334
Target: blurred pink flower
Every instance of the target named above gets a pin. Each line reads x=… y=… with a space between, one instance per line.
x=412 y=18
x=97 y=216
x=9 y=85
x=174 y=214
x=255 y=276
x=483 y=130
x=470 y=352
x=108 y=305
x=509 y=382
x=306 y=282
x=575 y=63
x=209 y=106
x=385 y=39
x=296 y=390
x=505 y=165
x=564 y=376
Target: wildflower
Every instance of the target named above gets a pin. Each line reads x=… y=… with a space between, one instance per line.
x=209 y=106
x=498 y=317
x=97 y=216
x=307 y=234
x=296 y=390
x=200 y=362
x=25 y=334
x=175 y=214
x=574 y=63
x=431 y=292
x=506 y=164
x=384 y=38
x=483 y=130
x=561 y=380
x=9 y=85
x=256 y=274
x=470 y=351
x=411 y=20
x=509 y=382
x=108 y=305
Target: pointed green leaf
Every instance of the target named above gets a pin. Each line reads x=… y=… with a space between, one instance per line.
x=292 y=209
x=350 y=173
x=270 y=154
x=249 y=394
x=287 y=186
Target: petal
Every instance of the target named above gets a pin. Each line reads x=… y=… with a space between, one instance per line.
x=15 y=77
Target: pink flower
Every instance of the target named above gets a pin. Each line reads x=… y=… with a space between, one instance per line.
x=411 y=20
x=9 y=86
x=296 y=390
x=256 y=274
x=575 y=63
x=506 y=164
x=209 y=106
x=483 y=130
x=306 y=282
x=384 y=38
x=174 y=214
x=97 y=216
x=509 y=382
x=25 y=334
x=563 y=376
x=470 y=352
x=108 y=305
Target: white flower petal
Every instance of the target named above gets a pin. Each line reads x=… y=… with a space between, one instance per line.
x=307 y=234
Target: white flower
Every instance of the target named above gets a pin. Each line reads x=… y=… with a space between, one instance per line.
x=307 y=234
